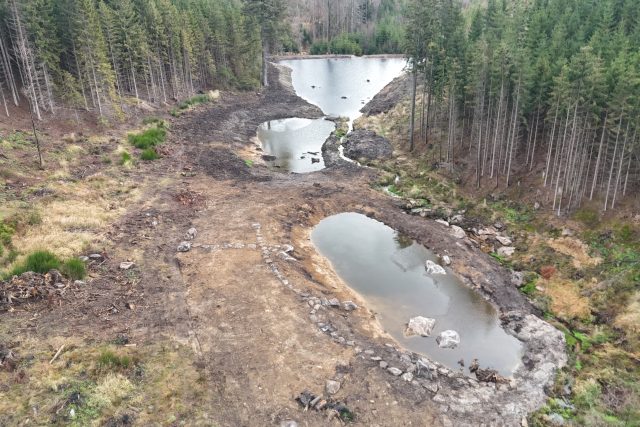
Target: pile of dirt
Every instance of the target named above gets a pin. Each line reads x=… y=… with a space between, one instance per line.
x=366 y=144
x=223 y=164
x=389 y=97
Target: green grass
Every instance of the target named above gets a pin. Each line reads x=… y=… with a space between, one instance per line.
x=110 y=360
x=149 y=154
x=125 y=158
x=340 y=133
x=148 y=139
x=249 y=163
x=74 y=269
x=152 y=120
x=38 y=262
x=195 y=100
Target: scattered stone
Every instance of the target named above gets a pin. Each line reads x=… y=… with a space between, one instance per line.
x=486 y=232
x=567 y=232
x=370 y=352
x=433 y=268
x=349 y=306
x=537 y=206
x=442 y=221
x=498 y=225
x=517 y=278
x=127 y=265
x=333 y=302
x=79 y=283
x=83 y=258
x=383 y=364
x=96 y=257
x=268 y=157
x=191 y=233
x=419 y=325
x=448 y=339
x=184 y=247
x=506 y=251
x=458 y=232
x=407 y=376
x=504 y=241
x=446 y=259
x=394 y=371
x=376 y=358
x=332 y=387
x=289 y=423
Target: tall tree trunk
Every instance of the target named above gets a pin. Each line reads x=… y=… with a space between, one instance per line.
x=595 y=171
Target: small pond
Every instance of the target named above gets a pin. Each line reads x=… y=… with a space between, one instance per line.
x=296 y=143
x=340 y=87
x=388 y=271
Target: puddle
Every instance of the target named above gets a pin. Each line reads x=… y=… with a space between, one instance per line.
x=296 y=143
x=388 y=271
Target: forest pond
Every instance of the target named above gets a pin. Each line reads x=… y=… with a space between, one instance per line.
x=388 y=271
x=340 y=87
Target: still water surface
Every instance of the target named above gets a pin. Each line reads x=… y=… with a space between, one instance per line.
x=340 y=87
x=388 y=271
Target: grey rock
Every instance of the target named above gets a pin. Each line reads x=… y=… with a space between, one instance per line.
x=394 y=371
x=433 y=268
x=506 y=251
x=407 y=376
x=448 y=339
x=442 y=221
x=191 y=233
x=383 y=364
x=422 y=326
x=446 y=259
x=332 y=387
x=95 y=257
x=517 y=278
x=184 y=247
x=458 y=232
x=349 y=305
x=289 y=423
x=504 y=240
x=333 y=302
x=83 y=258
x=127 y=265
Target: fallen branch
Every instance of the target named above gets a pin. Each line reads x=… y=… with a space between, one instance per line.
x=56 y=355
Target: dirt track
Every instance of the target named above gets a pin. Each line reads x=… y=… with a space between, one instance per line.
x=245 y=311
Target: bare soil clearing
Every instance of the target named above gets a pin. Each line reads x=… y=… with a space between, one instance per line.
x=249 y=321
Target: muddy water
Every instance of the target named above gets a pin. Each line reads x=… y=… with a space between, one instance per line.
x=388 y=271
x=296 y=143
x=340 y=87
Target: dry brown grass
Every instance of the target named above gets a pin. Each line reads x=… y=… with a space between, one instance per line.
x=566 y=300
x=577 y=250
x=629 y=320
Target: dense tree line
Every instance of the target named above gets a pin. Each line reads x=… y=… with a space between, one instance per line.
x=96 y=54
x=516 y=81
x=346 y=26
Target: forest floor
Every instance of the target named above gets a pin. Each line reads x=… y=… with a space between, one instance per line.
x=233 y=330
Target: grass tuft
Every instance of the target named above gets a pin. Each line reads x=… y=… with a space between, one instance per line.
x=38 y=262
x=125 y=158
x=74 y=269
x=148 y=139
x=110 y=360
x=149 y=154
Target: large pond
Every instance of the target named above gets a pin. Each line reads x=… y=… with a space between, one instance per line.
x=388 y=271
x=340 y=87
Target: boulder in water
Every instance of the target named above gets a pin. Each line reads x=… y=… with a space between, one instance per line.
x=448 y=339
x=419 y=325
x=433 y=268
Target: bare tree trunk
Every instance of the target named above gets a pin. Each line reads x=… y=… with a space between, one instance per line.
x=624 y=146
x=413 y=103
x=613 y=162
x=595 y=171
